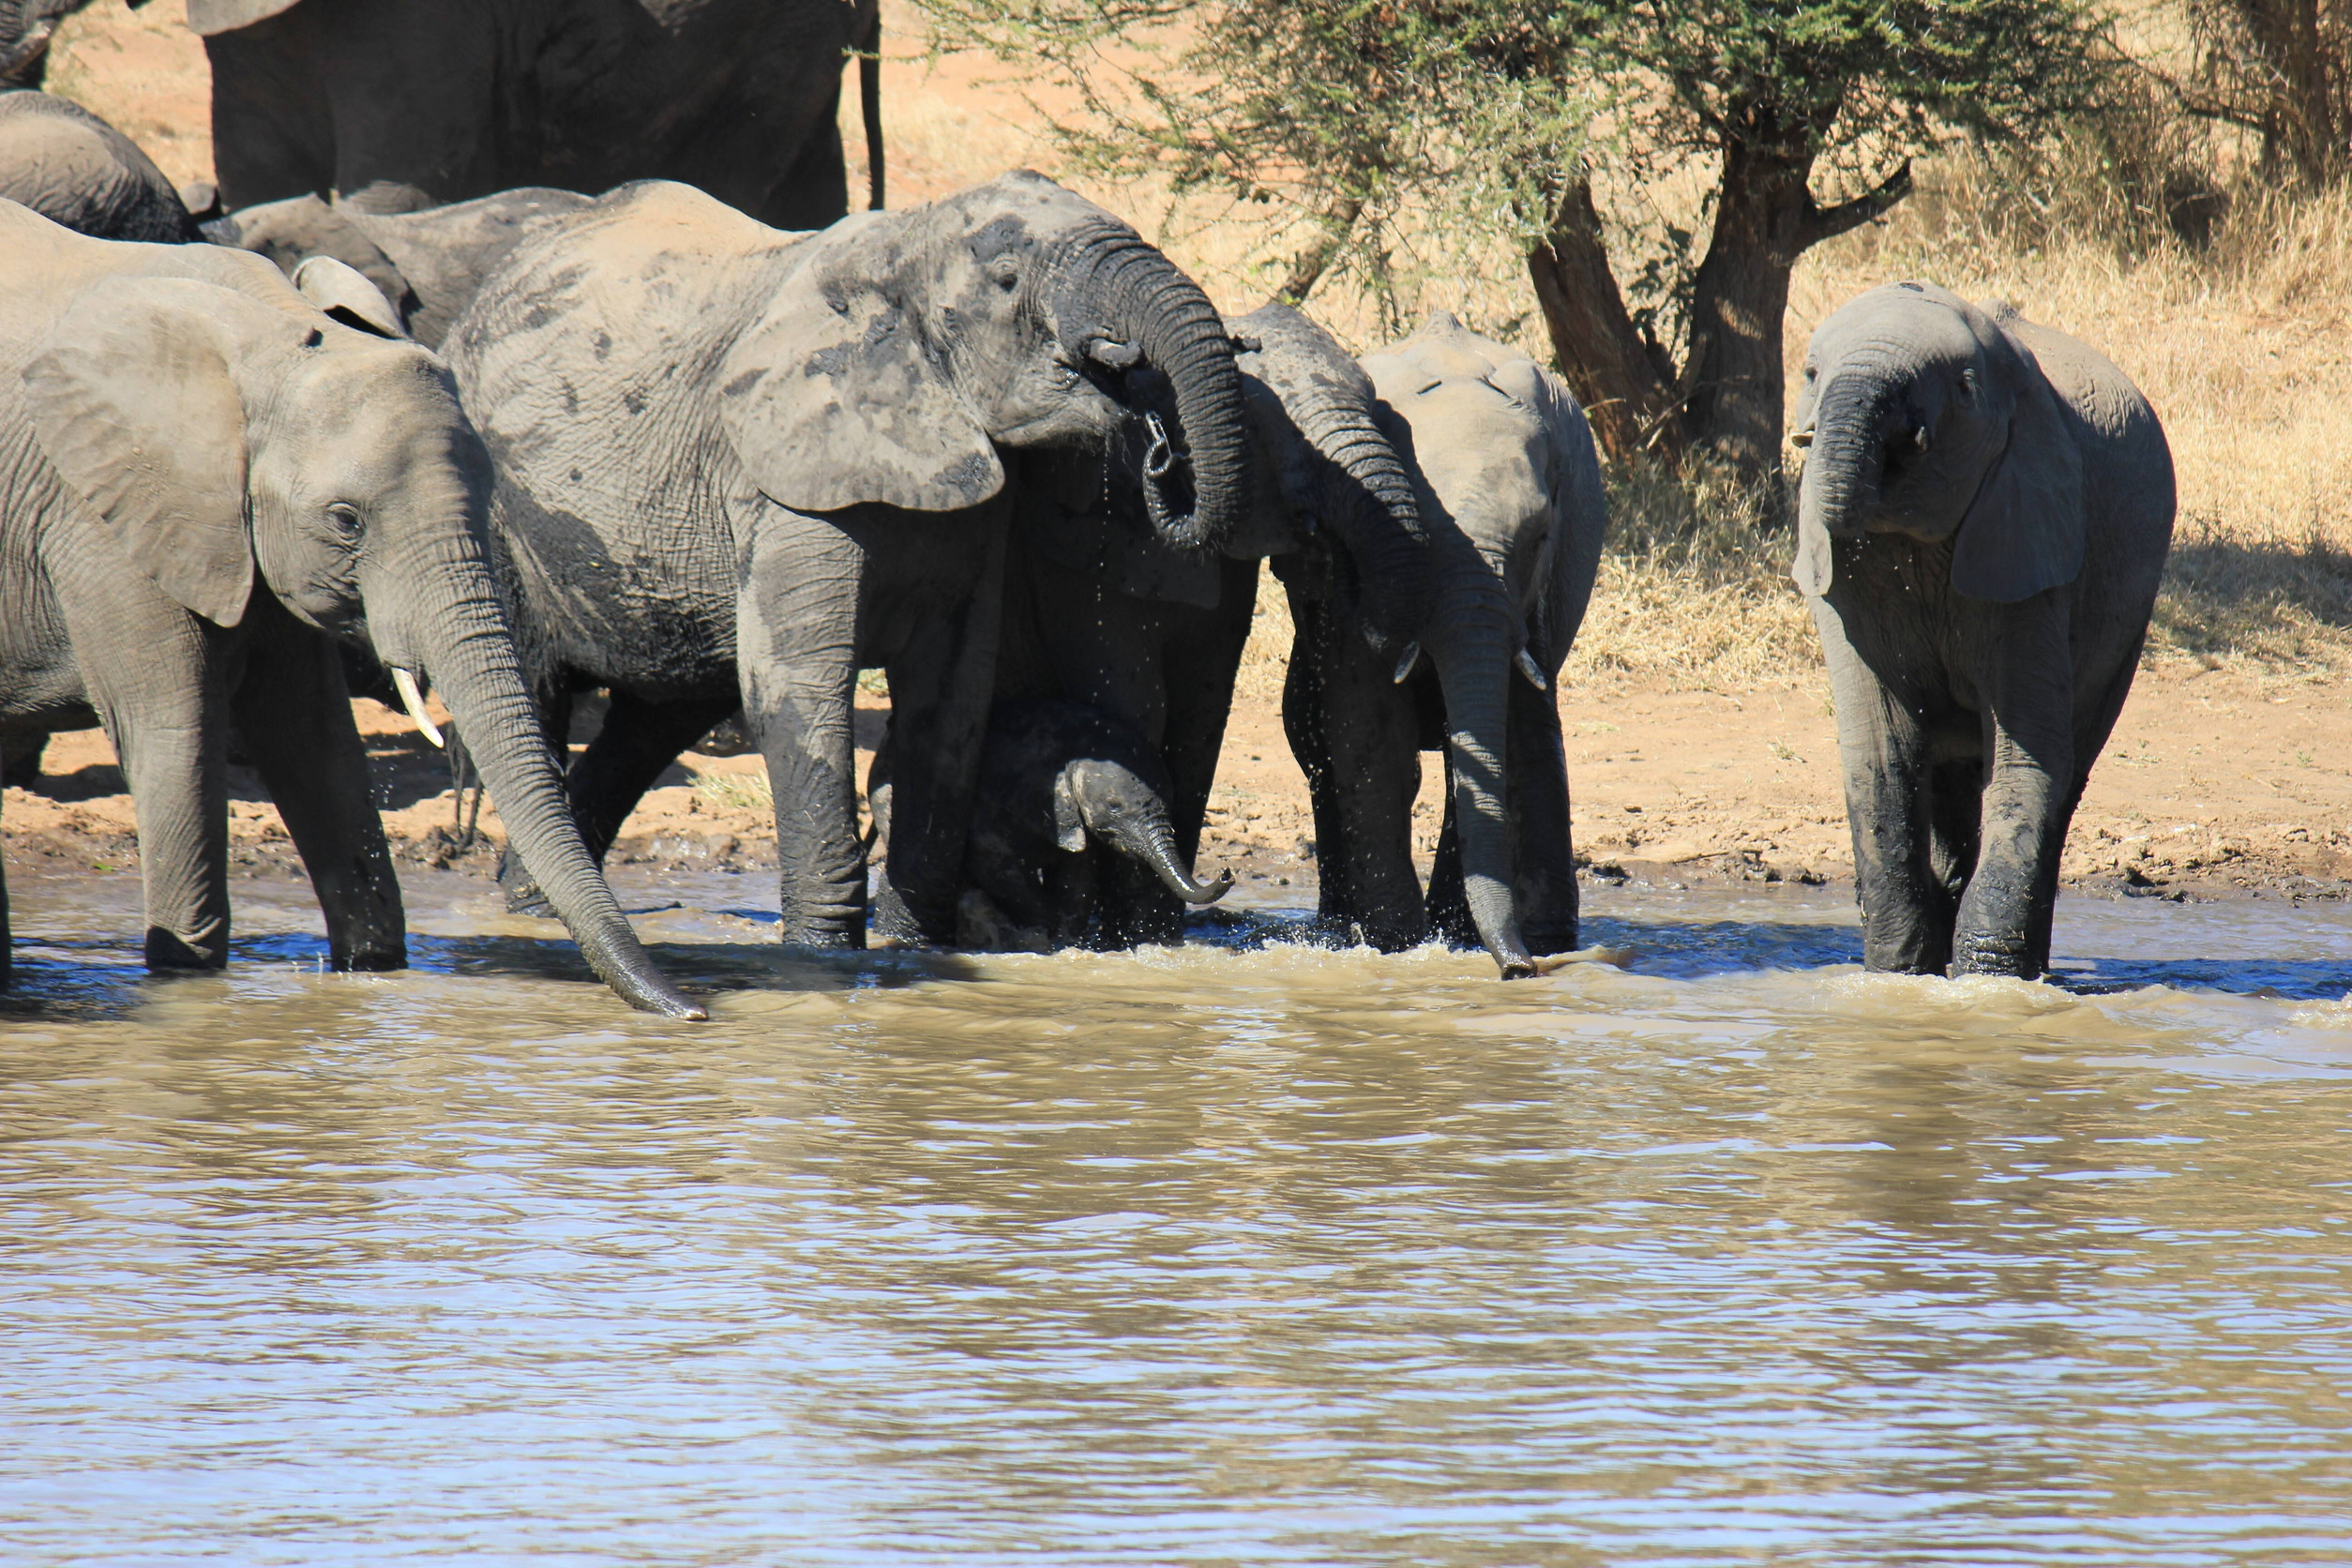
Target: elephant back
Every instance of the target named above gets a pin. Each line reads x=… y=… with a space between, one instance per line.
x=74 y=168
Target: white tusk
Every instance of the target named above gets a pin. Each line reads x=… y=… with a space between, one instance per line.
x=1534 y=673
x=1405 y=665
x=414 y=701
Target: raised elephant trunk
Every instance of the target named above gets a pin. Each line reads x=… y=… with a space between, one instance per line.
x=1474 y=660
x=1847 y=462
x=464 y=642
x=1116 y=282
x=1368 y=502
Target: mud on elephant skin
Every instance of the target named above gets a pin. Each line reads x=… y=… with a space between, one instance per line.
x=399 y=104
x=1509 y=491
x=1101 y=611
x=735 y=466
x=215 y=479
x=1984 y=519
x=427 y=263
x=1055 y=777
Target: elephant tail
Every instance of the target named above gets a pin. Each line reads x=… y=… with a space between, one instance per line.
x=870 y=108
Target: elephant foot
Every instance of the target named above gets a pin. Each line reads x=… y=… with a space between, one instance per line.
x=1546 y=941
x=1994 y=957
x=522 y=893
x=169 y=953
x=373 y=961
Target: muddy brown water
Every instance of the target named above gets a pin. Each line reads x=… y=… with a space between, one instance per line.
x=1245 y=1252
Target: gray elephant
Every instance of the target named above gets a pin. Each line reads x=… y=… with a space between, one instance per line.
x=27 y=27
x=427 y=263
x=737 y=465
x=1056 y=776
x=400 y=104
x=1510 y=493
x=1101 y=611
x=1983 y=518
x=72 y=168
x=208 y=474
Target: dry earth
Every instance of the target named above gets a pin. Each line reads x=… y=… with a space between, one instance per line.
x=2226 y=775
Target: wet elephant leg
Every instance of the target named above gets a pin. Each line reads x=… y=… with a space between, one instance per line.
x=171 y=738
x=796 y=624
x=1544 y=859
x=1449 y=895
x=636 y=746
x=1955 y=805
x=1883 y=758
x=294 y=711
x=1356 y=735
x=943 y=678
x=2028 y=798
x=555 y=702
x=7 y=942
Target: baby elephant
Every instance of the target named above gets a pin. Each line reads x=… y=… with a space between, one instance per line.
x=1052 y=774
x=1985 y=515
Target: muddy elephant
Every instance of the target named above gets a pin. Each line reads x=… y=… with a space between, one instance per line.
x=399 y=104
x=1509 y=494
x=72 y=168
x=1056 y=778
x=427 y=263
x=737 y=465
x=1984 y=519
x=1101 y=611
x=208 y=474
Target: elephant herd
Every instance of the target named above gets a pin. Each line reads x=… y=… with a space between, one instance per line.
x=707 y=451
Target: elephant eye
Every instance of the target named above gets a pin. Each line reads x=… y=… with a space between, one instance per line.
x=343 y=519
x=1811 y=372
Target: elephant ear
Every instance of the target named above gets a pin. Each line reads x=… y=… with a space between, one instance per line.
x=831 y=399
x=2023 y=533
x=133 y=402
x=344 y=292
x=1069 y=821
x=1579 y=505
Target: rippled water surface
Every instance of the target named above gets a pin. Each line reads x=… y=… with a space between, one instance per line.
x=1245 y=1252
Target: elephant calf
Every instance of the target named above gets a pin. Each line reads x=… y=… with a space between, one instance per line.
x=1984 y=514
x=1509 y=492
x=1053 y=777
x=72 y=168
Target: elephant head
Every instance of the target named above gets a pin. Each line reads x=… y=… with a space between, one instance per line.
x=291 y=232
x=1922 y=415
x=1510 y=492
x=1111 y=799
x=1325 y=466
x=900 y=351
x=232 y=436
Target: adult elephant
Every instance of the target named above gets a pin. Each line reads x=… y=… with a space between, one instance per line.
x=426 y=263
x=206 y=472
x=1982 y=526
x=1510 y=492
x=1102 y=612
x=736 y=465
x=72 y=168
x=400 y=104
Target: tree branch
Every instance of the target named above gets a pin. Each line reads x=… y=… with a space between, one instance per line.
x=1311 y=264
x=1828 y=223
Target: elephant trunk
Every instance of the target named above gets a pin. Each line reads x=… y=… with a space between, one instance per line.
x=1847 y=461
x=467 y=648
x=1474 y=660
x=1368 y=502
x=1152 y=841
x=1138 y=298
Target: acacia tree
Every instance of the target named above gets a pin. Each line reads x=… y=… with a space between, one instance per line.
x=1364 y=117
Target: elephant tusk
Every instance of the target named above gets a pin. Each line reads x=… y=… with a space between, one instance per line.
x=1527 y=666
x=1801 y=438
x=414 y=701
x=1405 y=665
x=1919 y=439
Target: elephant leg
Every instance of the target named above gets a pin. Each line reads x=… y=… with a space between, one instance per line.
x=21 y=759
x=1355 y=734
x=1070 y=898
x=294 y=711
x=638 y=743
x=1883 y=754
x=2003 y=922
x=1449 y=910
x=943 y=678
x=171 y=739
x=796 y=658
x=7 y=942
x=1955 y=805
x=814 y=191
x=1544 y=859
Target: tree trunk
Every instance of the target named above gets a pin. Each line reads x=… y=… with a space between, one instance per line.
x=1624 y=381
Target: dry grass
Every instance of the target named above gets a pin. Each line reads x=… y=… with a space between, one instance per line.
x=735 y=791
x=2242 y=346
